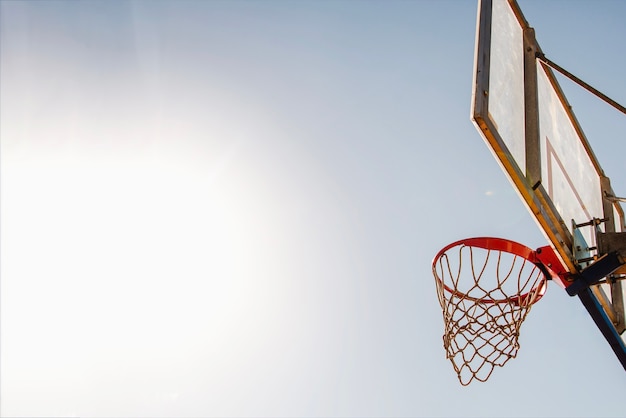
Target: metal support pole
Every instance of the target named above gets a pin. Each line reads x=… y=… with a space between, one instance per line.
x=602 y=321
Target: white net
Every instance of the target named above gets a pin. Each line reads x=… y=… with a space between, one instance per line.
x=485 y=295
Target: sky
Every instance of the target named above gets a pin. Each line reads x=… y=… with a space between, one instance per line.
x=230 y=208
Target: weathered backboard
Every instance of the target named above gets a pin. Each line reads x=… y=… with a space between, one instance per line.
x=525 y=119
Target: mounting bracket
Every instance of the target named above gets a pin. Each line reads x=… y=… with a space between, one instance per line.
x=604 y=266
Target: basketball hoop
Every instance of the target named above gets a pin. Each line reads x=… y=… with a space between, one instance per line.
x=486 y=287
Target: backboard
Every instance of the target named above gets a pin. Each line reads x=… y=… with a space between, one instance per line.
x=526 y=121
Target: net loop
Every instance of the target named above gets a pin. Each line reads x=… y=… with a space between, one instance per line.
x=486 y=288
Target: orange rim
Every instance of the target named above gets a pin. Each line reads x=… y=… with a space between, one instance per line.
x=502 y=245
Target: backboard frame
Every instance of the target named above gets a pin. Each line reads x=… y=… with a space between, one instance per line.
x=530 y=162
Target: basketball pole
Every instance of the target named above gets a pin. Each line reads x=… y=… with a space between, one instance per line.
x=600 y=318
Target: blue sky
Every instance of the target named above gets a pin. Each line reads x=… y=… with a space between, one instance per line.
x=229 y=208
